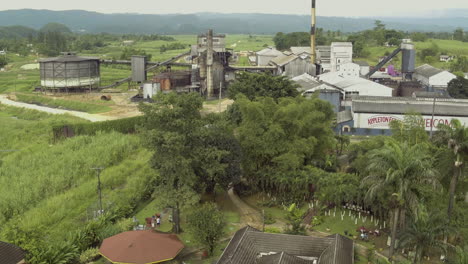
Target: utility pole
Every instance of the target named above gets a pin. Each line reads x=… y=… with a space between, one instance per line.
x=432 y=119
x=98 y=171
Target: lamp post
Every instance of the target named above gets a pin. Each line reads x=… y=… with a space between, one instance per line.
x=98 y=171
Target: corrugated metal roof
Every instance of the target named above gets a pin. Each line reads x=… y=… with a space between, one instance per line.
x=269 y=52
x=427 y=70
x=283 y=60
x=72 y=58
x=300 y=50
x=344 y=116
x=248 y=245
x=402 y=105
x=342 y=44
x=11 y=254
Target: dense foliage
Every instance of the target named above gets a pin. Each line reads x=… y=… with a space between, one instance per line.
x=206 y=225
x=458 y=88
x=255 y=85
x=192 y=154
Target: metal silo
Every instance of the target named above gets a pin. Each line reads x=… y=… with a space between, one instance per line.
x=408 y=58
x=70 y=72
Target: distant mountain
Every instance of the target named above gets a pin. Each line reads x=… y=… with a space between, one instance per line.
x=93 y=22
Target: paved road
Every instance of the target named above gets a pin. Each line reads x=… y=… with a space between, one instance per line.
x=55 y=111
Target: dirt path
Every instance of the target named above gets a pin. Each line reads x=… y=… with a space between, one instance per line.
x=91 y=117
x=249 y=215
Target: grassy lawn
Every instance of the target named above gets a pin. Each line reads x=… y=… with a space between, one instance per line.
x=151 y=209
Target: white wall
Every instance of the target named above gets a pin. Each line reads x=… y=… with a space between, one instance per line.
x=340 y=54
x=364 y=70
x=382 y=121
x=349 y=70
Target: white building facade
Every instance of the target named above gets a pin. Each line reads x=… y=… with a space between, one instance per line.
x=341 y=53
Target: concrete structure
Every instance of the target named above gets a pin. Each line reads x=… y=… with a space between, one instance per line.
x=264 y=56
x=341 y=53
x=249 y=246
x=70 y=72
x=139 y=68
x=212 y=59
x=293 y=65
x=350 y=70
x=433 y=78
x=364 y=67
x=313 y=29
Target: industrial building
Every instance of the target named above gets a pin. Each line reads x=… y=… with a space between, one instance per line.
x=433 y=78
x=292 y=65
x=372 y=115
x=70 y=73
x=264 y=56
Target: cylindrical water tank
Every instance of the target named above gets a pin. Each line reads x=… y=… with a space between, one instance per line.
x=70 y=71
x=408 y=62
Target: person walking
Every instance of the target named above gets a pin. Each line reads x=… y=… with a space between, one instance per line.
x=158 y=221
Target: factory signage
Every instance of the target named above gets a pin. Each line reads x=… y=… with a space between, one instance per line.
x=380 y=120
x=383 y=121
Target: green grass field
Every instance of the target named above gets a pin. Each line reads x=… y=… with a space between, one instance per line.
x=92 y=108
x=448 y=47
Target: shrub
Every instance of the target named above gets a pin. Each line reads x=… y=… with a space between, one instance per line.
x=268 y=217
x=273 y=230
x=89 y=255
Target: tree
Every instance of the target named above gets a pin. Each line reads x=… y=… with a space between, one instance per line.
x=206 y=225
x=460 y=64
x=419 y=36
x=458 y=88
x=187 y=154
x=458 y=34
x=424 y=234
x=127 y=53
x=432 y=51
x=255 y=85
x=410 y=130
x=3 y=61
x=283 y=141
x=456 y=138
x=400 y=171
x=55 y=27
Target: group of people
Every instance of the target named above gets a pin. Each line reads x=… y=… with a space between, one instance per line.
x=156 y=220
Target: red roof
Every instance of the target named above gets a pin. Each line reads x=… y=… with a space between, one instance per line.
x=141 y=247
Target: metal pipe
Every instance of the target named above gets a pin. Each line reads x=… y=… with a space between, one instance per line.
x=313 y=30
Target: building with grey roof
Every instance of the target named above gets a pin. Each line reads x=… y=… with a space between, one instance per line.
x=293 y=65
x=11 y=254
x=433 y=77
x=264 y=56
x=250 y=246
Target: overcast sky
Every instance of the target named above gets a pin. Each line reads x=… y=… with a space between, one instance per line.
x=350 y=8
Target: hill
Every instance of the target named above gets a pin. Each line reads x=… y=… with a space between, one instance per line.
x=93 y=22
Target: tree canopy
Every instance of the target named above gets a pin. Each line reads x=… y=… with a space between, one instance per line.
x=255 y=85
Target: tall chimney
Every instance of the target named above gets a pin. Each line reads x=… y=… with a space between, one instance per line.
x=312 y=34
x=209 y=64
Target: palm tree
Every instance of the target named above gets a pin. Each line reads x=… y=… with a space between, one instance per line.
x=456 y=138
x=424 y=234
x=399 y=170
x=461 y=256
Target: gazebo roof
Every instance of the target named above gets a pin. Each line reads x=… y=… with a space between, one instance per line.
x=141 y=247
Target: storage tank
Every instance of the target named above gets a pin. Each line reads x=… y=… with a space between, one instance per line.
x=408 y=58
x=70 y=71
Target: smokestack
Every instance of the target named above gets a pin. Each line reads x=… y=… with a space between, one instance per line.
x=209 y=64
x=312 y=33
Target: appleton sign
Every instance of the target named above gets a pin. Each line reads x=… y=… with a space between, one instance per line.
x=383 y=121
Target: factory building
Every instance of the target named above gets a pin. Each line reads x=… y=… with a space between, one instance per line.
x=70 y=72
x=372 y=115
x=293 y=65
x=364 y=67
x=355 y=85
x=341 y=53
x=433 y=78
x=264 y=56
x=308 y=86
